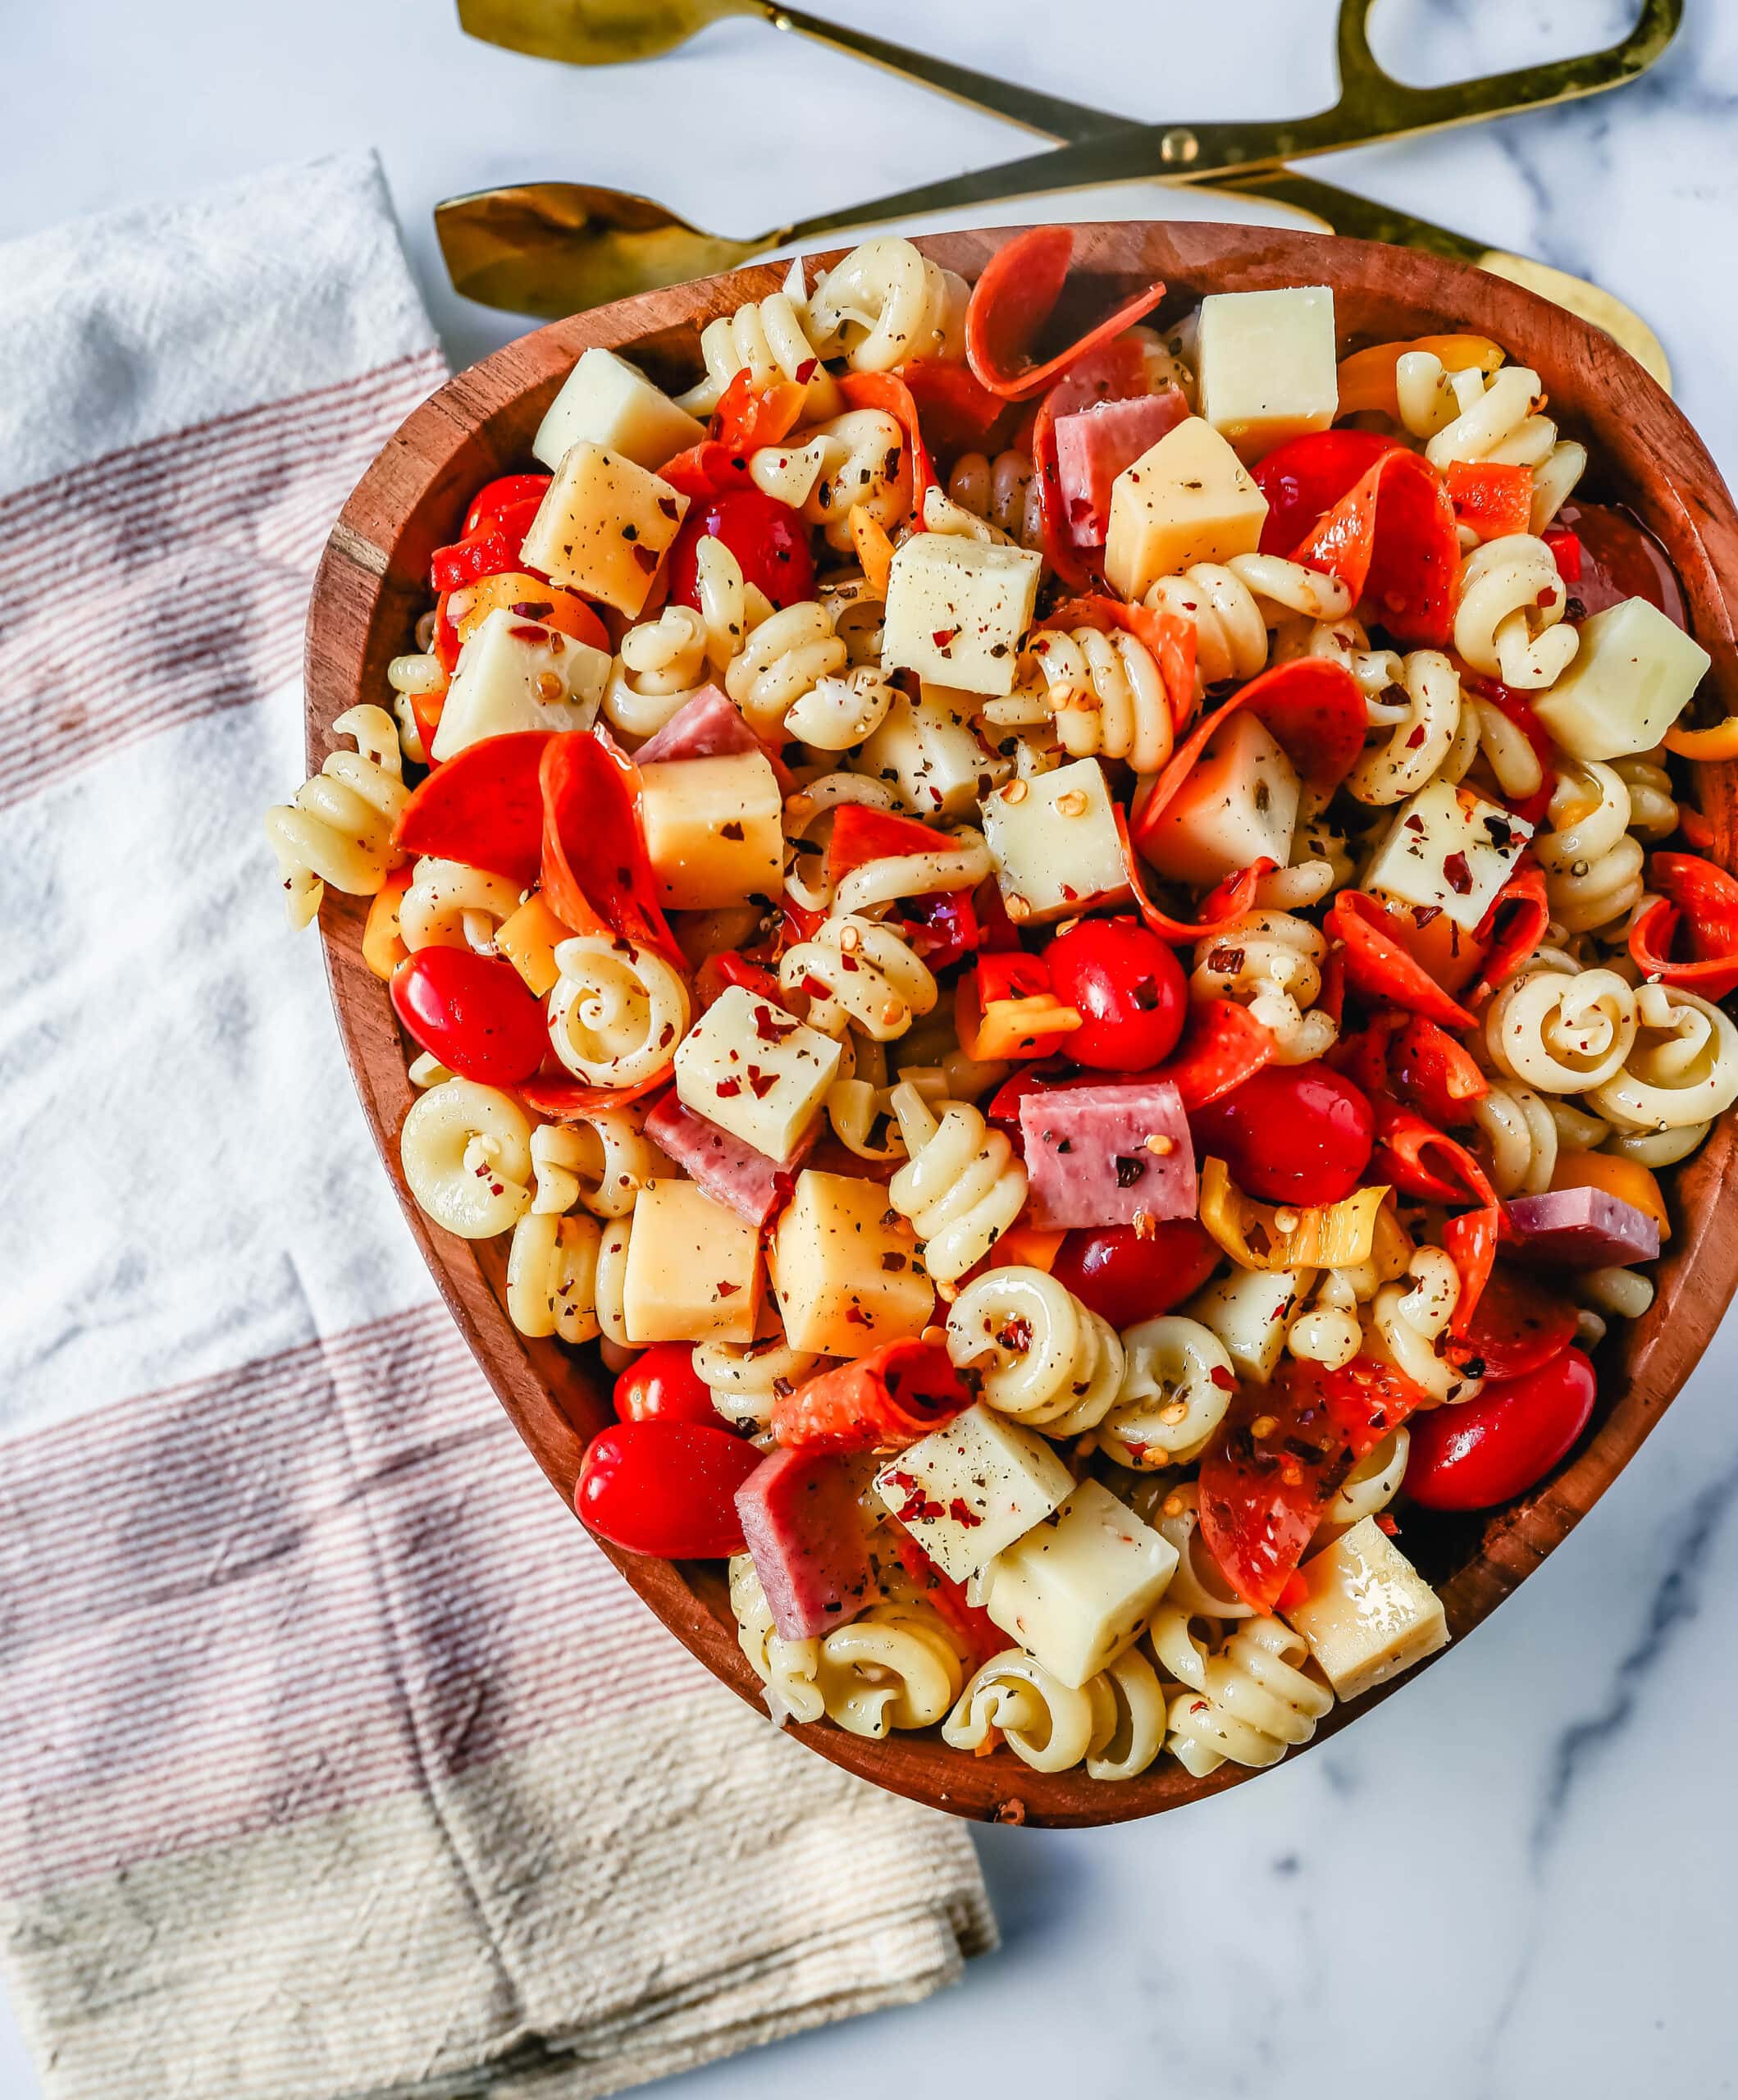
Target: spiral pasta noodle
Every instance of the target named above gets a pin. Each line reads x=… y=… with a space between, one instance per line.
x=1106 y=694
x=617 y=1010
x=1002 y=491
x=552 y=1277
x=958 y=859
x=855 y=970
x=339 y=828
x=895 y=1666
x=1509 y=621
x=787 y=1668
x=1176 y=1384
x=1593 y=867
x=747 y=1380
x=886 y=303
x=769 y=340
x=1562 y=1032
x=1368 y=1489
x=1046 y=1724
x=1043 y=1358
x=782 y=662
x=451 y=906
x=1409 y=1319
x=1199 y=1588
x=600 y=1161
x=1653 y=814
x=1345 y=642
x=1270 y=962
x=1517 y=1138
x=961 y=1186
x=1423 y=734
x=865 y=465
x=1254 y=1700
x=1328 y=1331
x=661 y=665
x=1681 y=1068
x=466 y=1152
x=1233 y=604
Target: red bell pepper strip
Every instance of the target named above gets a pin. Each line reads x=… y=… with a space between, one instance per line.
x=494 y=500
x=1511 y=929
x=957 y=412
x=1223 y=1044
x=1565 y=551
x=861 y=834
x=1263 y=1496
x=978 y=1635
x=1379 y=970
x=942 y=927
x=1702 y=899
x=1470 y=1241
x=495 y=532
x=1392 y=541
x=718 y=973
x=880 y=1402
x=1434 y=1071
x=1167 y=638
x=1016 y=295
x=1418 y=1160
x=484 y=807
x=1306 y=476
x=594 y=864
x=749 y=416
x=888 y=392
x=1494 y=500
x=1516 y=1324
x=558 y=1095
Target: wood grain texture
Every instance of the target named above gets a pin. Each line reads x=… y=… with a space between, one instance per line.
x=370 y=588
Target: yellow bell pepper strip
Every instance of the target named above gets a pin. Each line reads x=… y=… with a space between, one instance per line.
x=383 y=947
x=528 y=940
x=1367 y=378
x=1288 y=1236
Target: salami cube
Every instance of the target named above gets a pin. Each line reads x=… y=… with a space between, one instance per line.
x=805 y=1534
x=1094 y=444
x=1585 y=1229
x=1108 y=1154
x=731 y=1172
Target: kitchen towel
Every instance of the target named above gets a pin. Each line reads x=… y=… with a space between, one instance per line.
x=334 y=1760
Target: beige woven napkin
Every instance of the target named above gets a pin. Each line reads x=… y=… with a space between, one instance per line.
x=336 y=1760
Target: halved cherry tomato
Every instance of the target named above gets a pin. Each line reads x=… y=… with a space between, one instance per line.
x=472 y=1013
x=1519 y=1326
x=1123 y=1278
x=668 y=1488
x=768 y=538
x=1620 y=559
x=1293 y=1134
x=1491 y=1449
x=661 y=1384
x=1129 y=989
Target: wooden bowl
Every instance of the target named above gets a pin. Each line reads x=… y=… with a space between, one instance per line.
x=371 y=586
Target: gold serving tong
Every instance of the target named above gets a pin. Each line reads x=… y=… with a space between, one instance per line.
x=555 y=248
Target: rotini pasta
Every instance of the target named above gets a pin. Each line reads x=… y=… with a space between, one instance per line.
x=1679 y=1067
x=855 y=971
x=961 y=1186
x=339 y=828
x=449 y=905
x=1003 y=492
x=1272 y=963
x=1256 y=1700
x=600 y=1161
x=887 y=303
x=769 y=340
x=1509 y=621
x=747 y=1380
x=1422 y=734
x=617 y=1011
x=1177 y=1383
x=1562 y=1031
x=1408 y=1322
x=1042 y=1357
x=466 y=1153
x=552 y=1277
x=1593 y=867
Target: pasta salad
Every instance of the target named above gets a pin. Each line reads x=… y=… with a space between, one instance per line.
x=1077 y=953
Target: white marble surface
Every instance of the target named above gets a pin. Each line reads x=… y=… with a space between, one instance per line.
x=1517 y=1877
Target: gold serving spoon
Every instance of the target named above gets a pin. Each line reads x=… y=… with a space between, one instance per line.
x=551 y=248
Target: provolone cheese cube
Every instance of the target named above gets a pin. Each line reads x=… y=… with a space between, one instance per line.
x=603 y=527
x=605 y=400
x=1368 y=1614
x=1239 y=805
x=846 y=1267
x=967 y=1492
x=1631 y=678
x=1250 y=1310
x=1267 y=365
x=956 y=610
x=693 y=1270
x=516 y=674
x=714 y=830
x=1055 y=845
x=1077 y=1589
x=927 y=750
x=1190 y=499
x=755 y=1071
x=1450 y=849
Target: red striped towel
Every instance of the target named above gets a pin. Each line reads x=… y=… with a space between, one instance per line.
x=336 y=1761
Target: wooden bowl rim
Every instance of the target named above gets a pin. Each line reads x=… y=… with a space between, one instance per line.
x=361 y=602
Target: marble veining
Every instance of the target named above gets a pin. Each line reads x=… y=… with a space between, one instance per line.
x=1515 y=1879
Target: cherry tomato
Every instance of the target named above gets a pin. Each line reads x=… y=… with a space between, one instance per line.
x=495 y=498
x=1129 y=989
x=1292 y=1134
x=766 y=537
x=661 y=1384
x=1517 y=1326
x=1123 y=1278
x=1620 y=559
x=666 y=1487
x=473 y=1012
x=1491 y=1449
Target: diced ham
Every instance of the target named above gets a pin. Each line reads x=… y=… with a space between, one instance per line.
x=1094 y=444
x=707 y=725
x=805 y=1534
x=1583 y=1229
x=1108 y=1153
x=730 y=1171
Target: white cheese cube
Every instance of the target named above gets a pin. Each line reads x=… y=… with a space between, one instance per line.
x=1188 y=498
x=1056 y=846
x=1077 y=1588
x=1237 y=806
x=967 y=1492
x=693 y=1271
x=846 y=1267
x=754 y=1070
x=1631 y=678
x=714 y=831
x=1267 y=365
x=1250 y=1310
x=603 y=527
x=928 y=749
x=516 y=674
x=605 y=400
x=1450 y=849
x=956 y=610
x=1369 y=1613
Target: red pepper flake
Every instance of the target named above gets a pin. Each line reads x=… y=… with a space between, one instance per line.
x=762 y=1083
x=962 y=1512
x=667 y=504
x=733 y=831
x=812 y=988
x=533 y=634
x=769 y=1028
x=1417 y=737
x=856 y=1315
x=536 y=609
x=1230 y=961
x=728 y=1289
x=1459 y=874
x=1425 y=914
x=728 y=1089
x=944 y=638
x=892 y=1261
x=1015 y=1335
x=646 y=558
x=1223 y=1379
x=806 y=371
